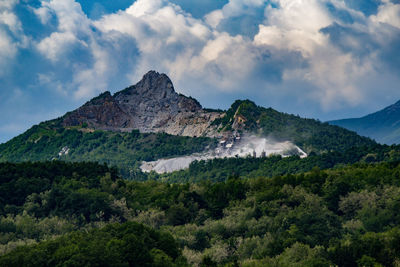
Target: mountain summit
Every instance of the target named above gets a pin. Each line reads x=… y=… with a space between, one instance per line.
x=152 y=105
x=383 y=125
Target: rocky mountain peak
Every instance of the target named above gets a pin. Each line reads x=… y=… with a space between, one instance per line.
x=153 y=84
x=151 y=105
x=154 y=80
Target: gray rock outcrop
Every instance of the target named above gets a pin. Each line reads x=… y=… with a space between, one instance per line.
x=152 y=105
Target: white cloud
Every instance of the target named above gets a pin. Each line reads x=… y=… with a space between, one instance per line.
x=91 y=79
x=8 y=4
x=8 y=49
x=214 y=18
x=11 y=35
x=69 y=14
x=303 y=15
x=43 y=13
x=296 y=26
x=143 y=8
x=172 y=41
x=163 y=33
x=300 y=49
x=54 y=46
x=388 y=13
x=90 y=57
x=234 y=8
x=10 y=19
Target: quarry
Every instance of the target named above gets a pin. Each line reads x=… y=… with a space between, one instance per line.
x=232 y=145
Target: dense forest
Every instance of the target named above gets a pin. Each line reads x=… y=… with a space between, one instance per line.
x=127 y=244
x=56 y=213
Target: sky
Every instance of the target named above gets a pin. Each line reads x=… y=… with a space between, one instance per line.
x=323 y=59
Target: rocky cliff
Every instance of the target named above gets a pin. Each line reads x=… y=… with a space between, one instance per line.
x=152 y=105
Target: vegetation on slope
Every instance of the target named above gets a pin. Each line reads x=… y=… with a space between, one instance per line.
x=345 y=216
x=128 y=244
x=309 y=134
x=125 y=150
x=220 y=169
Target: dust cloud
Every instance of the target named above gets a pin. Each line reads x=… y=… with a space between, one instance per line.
x=234 y=146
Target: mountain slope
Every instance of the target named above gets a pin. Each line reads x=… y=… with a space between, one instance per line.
x=383 y=125
x=309 y=134
x=124 y=150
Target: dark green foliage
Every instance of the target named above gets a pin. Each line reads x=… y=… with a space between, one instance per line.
x=125 y=150
x=128 y=244
x=346 y=216
x=219 y=169
x=219 y=195
x=17 y=181
x=369 y=249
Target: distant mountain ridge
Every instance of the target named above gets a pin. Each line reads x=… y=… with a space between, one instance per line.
x=383 y=125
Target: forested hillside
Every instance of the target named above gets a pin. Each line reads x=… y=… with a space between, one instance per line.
x=346 y=216
x=220 y=169
x=124 y=150
x=309 y=134
x=128 y=244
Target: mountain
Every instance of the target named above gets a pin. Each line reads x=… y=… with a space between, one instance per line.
x=150 y=121
x=309 y=134
x=152 y=105
x=383 y=125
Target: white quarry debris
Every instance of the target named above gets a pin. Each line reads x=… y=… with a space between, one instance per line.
x=245 y=146
x=64 y=151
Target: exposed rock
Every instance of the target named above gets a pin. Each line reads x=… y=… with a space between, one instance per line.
x=152 y=105
x=100 y=112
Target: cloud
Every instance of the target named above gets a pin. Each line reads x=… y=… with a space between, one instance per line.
x=189 y=48
x=11 y=35
x=367 y=7
x=8 y=4
x=320 y=58
x=328 y=68
x=238 y=17
x=340 y=50
x=56 y=45
x=388 y=13
x=89 y=56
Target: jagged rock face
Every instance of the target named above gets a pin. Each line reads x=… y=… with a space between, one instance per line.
x=100 y=112
x=152 y=105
